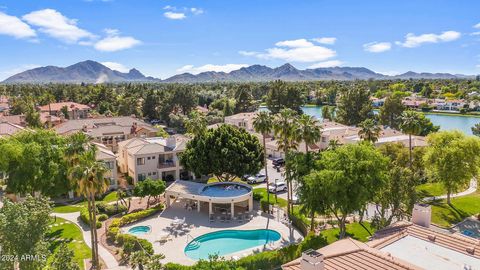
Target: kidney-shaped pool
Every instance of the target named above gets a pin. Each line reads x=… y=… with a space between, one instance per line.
x=228 y=242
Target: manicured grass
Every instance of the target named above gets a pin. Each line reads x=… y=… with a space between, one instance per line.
x=354 y=230
x=430 y=190
x=110 y=197
x=263 y=192
x=445 y=215
x=71 y=232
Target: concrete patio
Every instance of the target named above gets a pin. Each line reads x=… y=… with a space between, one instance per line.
x=197 y=224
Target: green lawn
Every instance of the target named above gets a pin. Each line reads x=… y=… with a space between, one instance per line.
x=430 y=190
x=462 y=207
x=110 y=197
x=354 y=230
x=263 y=192
x=72 y=232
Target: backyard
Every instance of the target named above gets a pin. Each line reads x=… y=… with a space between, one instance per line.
x=447 y=215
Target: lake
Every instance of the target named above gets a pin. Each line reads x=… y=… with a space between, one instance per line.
x=446 y=122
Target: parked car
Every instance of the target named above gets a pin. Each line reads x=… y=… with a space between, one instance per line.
x=278 y=162
x=258 y=178
x=277 y=187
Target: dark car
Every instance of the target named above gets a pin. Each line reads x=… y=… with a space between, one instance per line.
x=278 y=162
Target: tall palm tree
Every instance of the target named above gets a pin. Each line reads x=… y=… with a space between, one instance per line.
x=309 y=131
x=410 y=124
x=90 y=180
x=333 y=144
x=263 y=124
x=285 y=130
x=369 y=130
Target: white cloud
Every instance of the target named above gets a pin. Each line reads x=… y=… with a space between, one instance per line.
x=299 y=50
x=326 y=64
x=114 y=42
x=475 y=33
x=377 y=47
x=389 y=73
x=13 y=26
x=196 y=11
x=57 y=25
x=478 y=66
x=116 y=66
x=296 y=43
x=174 y=15
x=477 y=26
x=411 y=40
x=325 y=40
x=209 y=67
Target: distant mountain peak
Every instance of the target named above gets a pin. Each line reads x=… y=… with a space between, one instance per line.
x=90 y=71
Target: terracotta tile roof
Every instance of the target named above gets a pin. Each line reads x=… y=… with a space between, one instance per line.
x=8 y=129
x=351 y=254
x=59 y=105
x=456 y=242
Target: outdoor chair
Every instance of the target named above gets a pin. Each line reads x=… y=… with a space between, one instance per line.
x=240 y=219
x=212 y=218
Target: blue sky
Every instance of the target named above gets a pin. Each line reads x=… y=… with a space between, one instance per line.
x=165 y=37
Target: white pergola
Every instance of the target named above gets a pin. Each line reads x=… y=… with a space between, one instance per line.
x=193 y=191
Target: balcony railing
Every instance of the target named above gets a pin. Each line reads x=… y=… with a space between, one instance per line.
x=166 y=164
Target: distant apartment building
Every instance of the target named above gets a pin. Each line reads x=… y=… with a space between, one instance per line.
x=4 y=104
x=108 y=130
x=46 y=119
x=331 y=132
x=156 y=158
x=74 y=110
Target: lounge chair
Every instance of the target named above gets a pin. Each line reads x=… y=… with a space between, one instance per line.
x=240 y=219
x=229 y=218
x=222 y=219
x=212 y=218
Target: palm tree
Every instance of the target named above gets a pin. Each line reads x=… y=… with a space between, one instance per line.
x=309 y=131
x=263 y=124
x=333 y=144
x=285 y=129
x=369 y=130
x=88 y=175
x=196 y=124
x=410 y=124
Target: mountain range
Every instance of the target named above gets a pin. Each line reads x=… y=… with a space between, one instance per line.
x=94 y=72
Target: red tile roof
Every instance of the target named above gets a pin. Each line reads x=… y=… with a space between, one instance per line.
x=59 y=105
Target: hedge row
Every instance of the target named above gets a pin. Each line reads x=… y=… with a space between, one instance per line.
x=127 y=242
x=85 y=217
x=104 y=210
x=269 y=260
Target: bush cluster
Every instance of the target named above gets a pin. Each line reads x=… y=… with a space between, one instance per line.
x=130 y=243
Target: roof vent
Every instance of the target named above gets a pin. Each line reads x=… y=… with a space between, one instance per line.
x=422 y=214
x=312 y=260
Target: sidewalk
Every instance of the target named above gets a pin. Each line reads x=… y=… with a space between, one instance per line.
x=471 y=189
x=108 y=258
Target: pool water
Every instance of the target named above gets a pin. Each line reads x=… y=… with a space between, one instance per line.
x=138 y=230
x=225 y=190
x=228 y=241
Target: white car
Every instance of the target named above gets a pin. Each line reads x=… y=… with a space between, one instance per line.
x=277 y=187
x=258 y=178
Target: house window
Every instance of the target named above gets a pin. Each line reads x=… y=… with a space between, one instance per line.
x=113 y=182
x=149 y=174
x=148 y=158
x=153 y=157
x=140 y=161
x=109 y=165
x=141 y=177
x=324 y=139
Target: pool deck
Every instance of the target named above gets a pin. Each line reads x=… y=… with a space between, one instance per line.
x=196 y=224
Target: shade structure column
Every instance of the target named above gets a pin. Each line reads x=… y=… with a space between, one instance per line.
x=198 y=206
x=209 y=208
x=250 y=203
x=232 y=206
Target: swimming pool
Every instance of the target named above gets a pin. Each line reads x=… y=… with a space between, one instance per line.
x=228 y=241
x=225 y=190
x=138 y=230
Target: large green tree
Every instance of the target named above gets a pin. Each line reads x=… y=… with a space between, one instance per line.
x=226 y=152
x=391 y=111
x=63 y=259
x=453 y=159
x=34 y=161
x=283 y=95
x=244 y=99
x=149 y=188
x=23 y=226
x=353 y=106
x=349 y=178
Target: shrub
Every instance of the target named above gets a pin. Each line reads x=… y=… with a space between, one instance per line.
x=85 y=217
x=110 y=209
x=257 y=196
x=132 y=217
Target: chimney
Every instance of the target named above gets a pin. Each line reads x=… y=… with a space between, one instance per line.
x=422 y=214
x=312 y=260
x=171 y=142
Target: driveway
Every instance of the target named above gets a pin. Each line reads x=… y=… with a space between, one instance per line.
x=272 y=175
